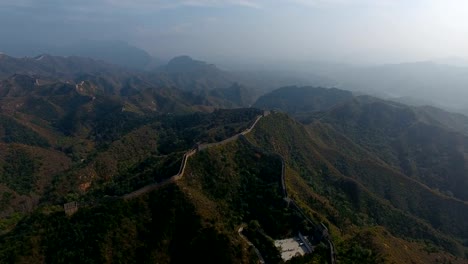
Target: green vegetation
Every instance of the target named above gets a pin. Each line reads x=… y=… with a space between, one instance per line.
x=147 y=154
x=359 y=249
x=263 y=243
x=320 y=256
x=178 y=133
x=246 y=183
x=406 y=140
x=13 y=132
x=18 y=171
x=153 y=169
x=387 y=180
x=162 y=227
x=6 y=224
x=353 y=204
x=225 y=187
x=40 y=107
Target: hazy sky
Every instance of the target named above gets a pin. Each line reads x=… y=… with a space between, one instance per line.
x=338 y=30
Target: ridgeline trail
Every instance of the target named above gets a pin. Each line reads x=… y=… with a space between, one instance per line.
x=187 y=155
x=290 y=202
x=153 y=186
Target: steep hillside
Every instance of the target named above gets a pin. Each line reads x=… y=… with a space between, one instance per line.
x=166 y=225
x=162 y=227
x=452 y=121
x=414 y=143
x=98 y=148
x=351 y=191
x=424 y=143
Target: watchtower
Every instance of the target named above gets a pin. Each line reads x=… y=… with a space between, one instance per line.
x=70 y=208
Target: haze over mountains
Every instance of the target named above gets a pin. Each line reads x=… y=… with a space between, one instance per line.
x=414 y=83
x=234 y=131
x=115 y=52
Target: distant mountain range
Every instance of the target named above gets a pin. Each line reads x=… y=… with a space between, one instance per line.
x=400 y=135
x=440 y=85
x=302 y=100
x=182 y=73
x=113 y=52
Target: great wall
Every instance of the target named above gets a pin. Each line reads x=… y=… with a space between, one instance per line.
x=201 y=147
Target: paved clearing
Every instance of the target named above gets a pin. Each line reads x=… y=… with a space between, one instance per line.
x=290 y=248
